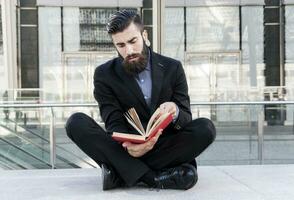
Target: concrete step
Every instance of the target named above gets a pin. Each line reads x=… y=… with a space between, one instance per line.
x=247 y=182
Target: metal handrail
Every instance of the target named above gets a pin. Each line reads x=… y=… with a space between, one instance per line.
x=241 y=103
x=198 y=103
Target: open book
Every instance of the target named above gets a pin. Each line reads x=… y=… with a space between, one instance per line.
x=157 y=121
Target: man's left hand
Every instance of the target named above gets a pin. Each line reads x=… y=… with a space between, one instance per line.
x=169 y=107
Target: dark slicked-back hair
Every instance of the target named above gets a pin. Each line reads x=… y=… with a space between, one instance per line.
x=120 y=20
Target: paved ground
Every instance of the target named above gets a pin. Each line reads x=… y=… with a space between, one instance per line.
x=251 y=182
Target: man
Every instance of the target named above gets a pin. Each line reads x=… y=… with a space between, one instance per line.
x=144 y=80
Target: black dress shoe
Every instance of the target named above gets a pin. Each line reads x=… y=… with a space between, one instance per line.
x=110 y=180
x=182 y=177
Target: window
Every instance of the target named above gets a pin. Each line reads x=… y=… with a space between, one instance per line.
x=93 y=34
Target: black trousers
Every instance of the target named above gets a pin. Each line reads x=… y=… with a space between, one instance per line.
x=170 y=150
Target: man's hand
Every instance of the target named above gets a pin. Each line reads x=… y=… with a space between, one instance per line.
x=169 y=107
x=138 y=150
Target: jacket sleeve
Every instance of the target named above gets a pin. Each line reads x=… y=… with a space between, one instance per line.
x=181 y=98
x=110 y=109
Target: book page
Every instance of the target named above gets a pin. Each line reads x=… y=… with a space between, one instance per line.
x=137 y=120
x=133 y=119
x=129 y=119
x=152 y=120
x=157 y=123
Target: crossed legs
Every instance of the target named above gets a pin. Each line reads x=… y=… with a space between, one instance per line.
x=171 y=149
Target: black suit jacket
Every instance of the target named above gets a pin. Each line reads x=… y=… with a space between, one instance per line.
x=116 y=92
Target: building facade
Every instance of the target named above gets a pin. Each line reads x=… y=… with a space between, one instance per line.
x=232 y=50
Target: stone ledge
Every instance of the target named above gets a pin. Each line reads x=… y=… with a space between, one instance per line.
x=243 y=182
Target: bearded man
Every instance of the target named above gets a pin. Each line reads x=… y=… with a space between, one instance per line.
x=145 y=80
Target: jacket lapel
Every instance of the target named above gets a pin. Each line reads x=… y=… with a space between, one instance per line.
x=157 y=79
x=131 y=84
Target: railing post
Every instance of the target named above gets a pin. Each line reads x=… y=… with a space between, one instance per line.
x=52 y=140
x=25 y=119
x=15 y=123
x=260 y=134
x=293 y=122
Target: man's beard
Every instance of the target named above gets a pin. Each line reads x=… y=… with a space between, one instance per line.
x=137 y=66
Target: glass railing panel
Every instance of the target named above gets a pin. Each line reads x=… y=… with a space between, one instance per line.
x=236 y=141
x=279 y=134
x=7 y=163
x=24 y=132
x=21 y=157
x=249 y=134
x=246 y=134
x=28 y=129
x=65 y=147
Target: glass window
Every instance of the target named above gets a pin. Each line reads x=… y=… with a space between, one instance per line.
x=84 y=29
x=93 y=34
x=212 y=28
x=289 y=41
x=1 y=35
x=86 y=45
x=252 y=46
x=213 y=58
x=289 y=58
x=78 y=43
x=71 y=30
x=174 y=33
x=50 y=60
x=3 y=79
x=227 y=67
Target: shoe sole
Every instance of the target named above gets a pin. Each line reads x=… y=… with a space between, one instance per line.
x=103 y=169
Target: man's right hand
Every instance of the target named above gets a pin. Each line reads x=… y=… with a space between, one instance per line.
x=138 y=150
